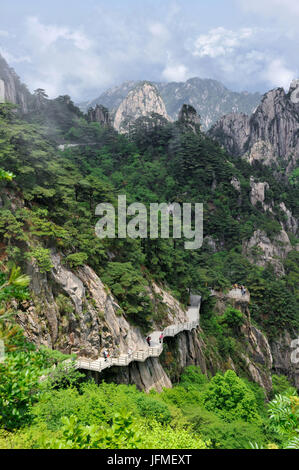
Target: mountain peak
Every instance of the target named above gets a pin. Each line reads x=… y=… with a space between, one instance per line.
x=142 y=101
x=269 y=135
x=189 y=117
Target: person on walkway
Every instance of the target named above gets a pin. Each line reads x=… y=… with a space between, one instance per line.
x=148 y=339
x=243 y=290
x=130 y=352
x=161 y=337
x=106 y=355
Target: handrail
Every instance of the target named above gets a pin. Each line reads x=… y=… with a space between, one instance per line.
x=152 y=351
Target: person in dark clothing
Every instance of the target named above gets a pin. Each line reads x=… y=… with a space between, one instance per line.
x=148 y=339
x=161 y=338
x=106 y=355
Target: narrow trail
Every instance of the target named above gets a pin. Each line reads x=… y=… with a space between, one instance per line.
x=154 y=350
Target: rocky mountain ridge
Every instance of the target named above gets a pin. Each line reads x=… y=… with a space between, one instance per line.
x=209 y=97
x=270 y=135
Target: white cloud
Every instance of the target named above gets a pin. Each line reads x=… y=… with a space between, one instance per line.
x=65 y=60
x=244 y=56
x=277 y=73
x=12 y=59
x=47 y=35
x=220 y=41
x=169 y=43
x=175 y=73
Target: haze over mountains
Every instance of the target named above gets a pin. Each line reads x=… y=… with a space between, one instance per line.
x=210 y=98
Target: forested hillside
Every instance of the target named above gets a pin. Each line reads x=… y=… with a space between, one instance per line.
x=47 y=211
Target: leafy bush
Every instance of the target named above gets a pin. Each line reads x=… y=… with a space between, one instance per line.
x=229 y=397
x=152 y=409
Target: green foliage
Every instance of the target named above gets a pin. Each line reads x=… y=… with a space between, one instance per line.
x=19 y=375
x=43 y=258
x=156 y=436
x=284 y=419
x=121 y=435
x=193 y=377
x=14 y=286
x=129 y=287
x=228 y=396
x=76 y=259
x=281 y=386
x=6 y=175
x=152 y=409
x=232 y=318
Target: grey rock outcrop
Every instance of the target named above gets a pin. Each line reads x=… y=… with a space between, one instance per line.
x=142 y=101
x=11 y=88
x=294 y=91
x=75 y=312
x=232 y=131
x=270 y=135
x=291 y=223
x=100 y=114
x=189 y=118
x=260 y=250
x=282 y=357
x=258 y=192
x=254 y=349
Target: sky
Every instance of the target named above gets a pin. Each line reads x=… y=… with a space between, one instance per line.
x=82 y=48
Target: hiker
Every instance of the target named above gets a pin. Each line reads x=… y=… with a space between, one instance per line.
x=148 y=339
x=130 y=352
x=161 y=338
x=243 y=290
x=106 y=355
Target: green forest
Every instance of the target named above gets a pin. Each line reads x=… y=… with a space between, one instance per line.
x=48 y=201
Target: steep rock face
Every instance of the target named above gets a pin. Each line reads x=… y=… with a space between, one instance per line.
x=99 y=114
x=261 y=250
x=189 y=118
x=140 y=102
x=11 y=88
x=75 y=313
x=258 y=192
x=252 y=356
x=270 y=135
x=291 y=223
x=146 y=375
x=253 y=349
x=232 y=131
x=282 y=357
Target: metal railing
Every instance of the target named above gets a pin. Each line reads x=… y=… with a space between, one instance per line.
x=142 y=355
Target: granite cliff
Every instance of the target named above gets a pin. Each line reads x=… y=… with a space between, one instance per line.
x=270 y=135
x=11 y=88
x=142 y=101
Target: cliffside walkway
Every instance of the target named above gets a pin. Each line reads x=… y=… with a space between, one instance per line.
x=155 y=350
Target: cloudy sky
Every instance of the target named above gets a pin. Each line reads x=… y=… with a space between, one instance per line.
x=82 y=48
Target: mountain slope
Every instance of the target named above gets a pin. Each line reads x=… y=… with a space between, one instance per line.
x=210 y=98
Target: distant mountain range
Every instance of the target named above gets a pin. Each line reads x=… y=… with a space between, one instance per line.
x=210 y=98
